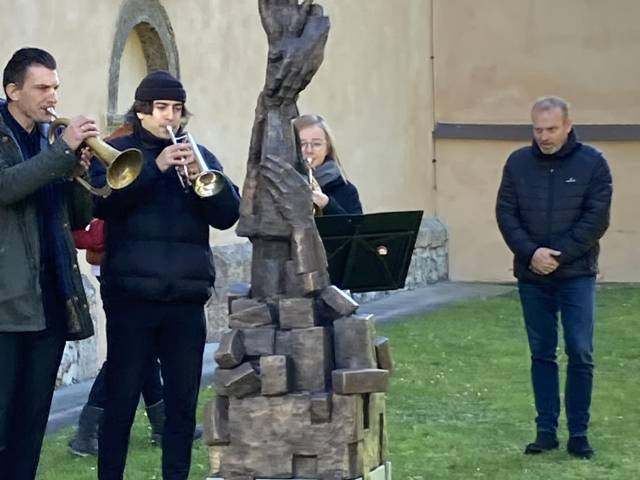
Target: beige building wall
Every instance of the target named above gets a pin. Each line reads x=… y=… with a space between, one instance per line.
x=492 y=58
x=373 y=87
x=505 y=53
x=79 y=37
x=489 y=68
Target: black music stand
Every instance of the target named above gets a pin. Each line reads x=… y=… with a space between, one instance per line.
x=369 y=252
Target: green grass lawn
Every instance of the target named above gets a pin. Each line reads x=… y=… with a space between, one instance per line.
x=460 y=404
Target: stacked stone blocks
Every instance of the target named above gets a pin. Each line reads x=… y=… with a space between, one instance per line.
x=299 y=392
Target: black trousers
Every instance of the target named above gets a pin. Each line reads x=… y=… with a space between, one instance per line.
x=151 y=389
x=28 y=367
x=29 y=364
x=137 y=332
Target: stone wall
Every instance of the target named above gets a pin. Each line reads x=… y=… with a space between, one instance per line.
x=80 y=358
x=429 y=264
x=233 y=265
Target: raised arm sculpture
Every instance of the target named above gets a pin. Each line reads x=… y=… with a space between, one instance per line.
x=300 y=380
x=276 y=210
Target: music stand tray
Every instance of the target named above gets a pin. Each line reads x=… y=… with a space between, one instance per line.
x=369 y=252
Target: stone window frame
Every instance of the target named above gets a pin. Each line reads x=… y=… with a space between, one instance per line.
x=150 y=21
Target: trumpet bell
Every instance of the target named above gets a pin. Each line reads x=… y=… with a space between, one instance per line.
x=124 y=168
x=209 y=183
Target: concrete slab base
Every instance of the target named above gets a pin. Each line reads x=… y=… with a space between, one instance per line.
x=383 y=472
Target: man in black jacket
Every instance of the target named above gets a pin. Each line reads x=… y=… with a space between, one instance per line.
x=42 y=301
x=552 y=208
x=156 y=276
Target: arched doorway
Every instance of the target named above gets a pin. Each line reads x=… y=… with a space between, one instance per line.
x=144 y=41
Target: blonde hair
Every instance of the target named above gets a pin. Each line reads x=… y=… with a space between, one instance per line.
x=312 y=120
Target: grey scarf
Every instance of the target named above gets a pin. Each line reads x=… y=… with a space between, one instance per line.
x=327 y=172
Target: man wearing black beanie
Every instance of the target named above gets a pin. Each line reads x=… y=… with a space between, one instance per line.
x=160 y=85
x=157 y=275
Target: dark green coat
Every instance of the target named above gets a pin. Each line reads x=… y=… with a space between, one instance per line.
x=21 y=307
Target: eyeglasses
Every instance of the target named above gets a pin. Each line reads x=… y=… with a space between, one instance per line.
x=313 y=145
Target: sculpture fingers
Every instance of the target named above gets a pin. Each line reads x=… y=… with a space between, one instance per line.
x=286 y=178
x=301 y=18
x=316 y=10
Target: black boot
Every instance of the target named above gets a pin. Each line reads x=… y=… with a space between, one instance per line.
x=85 y=441
x=155 y=413
x=156 y=416
x=579 y=447
x=544 y=441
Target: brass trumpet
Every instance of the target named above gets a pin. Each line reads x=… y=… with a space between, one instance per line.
x=313 y=183
x=208 y=182
x=122 y=167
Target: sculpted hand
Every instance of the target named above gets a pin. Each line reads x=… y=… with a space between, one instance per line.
x=175 y=156
x=297 y=34
x=281 y=17
x=79 y=129
x=289 y=190
x=543 y=261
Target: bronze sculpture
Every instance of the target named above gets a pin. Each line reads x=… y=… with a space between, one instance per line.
x=301 y=378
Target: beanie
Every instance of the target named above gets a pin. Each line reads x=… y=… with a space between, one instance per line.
x=160 y=85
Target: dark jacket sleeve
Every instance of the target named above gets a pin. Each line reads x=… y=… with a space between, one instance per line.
x=220 y=211
x=593 y=221
x=22 y=179
x=80 y=205
x=123 y=199
x=509 y=221
x=344 y=200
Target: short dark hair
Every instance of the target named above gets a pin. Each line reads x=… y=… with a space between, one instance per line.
x=16 y=69
x=146 y=107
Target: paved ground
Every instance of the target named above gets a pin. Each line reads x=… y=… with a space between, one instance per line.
x=68 y=401
x=422 y=300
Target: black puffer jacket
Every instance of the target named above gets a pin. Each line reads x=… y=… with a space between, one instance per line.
x=559 y=201
x=157 y=235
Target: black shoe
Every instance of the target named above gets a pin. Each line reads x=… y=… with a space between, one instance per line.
x=544 y=441
x=579 y=447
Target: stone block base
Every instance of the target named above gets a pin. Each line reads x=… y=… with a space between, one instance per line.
x=383 y=472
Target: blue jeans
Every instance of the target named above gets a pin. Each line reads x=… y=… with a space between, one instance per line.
x=574 y=299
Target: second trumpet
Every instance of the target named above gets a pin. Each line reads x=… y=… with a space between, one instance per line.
x=208 y=182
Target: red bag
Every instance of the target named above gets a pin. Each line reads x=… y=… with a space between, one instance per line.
x=91 y=240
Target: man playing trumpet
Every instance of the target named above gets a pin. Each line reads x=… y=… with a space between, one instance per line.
x=42 y=301
x=157 y=274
